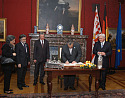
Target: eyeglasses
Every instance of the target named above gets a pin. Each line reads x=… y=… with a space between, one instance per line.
x=23 y=39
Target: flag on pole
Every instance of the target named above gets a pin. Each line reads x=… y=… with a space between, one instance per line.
x=118 y=52
x=105 y=25
x=96 y=32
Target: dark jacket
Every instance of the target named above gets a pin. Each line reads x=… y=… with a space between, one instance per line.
x=107 y=49
x=7 y=51
x=41 y=54
x=76 y=53
x=21 y=56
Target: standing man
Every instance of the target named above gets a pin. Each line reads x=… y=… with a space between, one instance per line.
x=103 y=48
x=23 y=59
x=41 y=55
x=71 y=53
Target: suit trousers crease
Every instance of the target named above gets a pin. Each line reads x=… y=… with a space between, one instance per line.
x=103 y=77
x=7 y=77
x=39 y=66
x=21 y=73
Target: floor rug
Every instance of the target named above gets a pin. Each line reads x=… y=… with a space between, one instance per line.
x=120 y=93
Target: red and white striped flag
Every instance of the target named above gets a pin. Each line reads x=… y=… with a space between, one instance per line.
x=96 y=32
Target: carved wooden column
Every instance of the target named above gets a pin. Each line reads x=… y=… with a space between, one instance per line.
x=59 y=41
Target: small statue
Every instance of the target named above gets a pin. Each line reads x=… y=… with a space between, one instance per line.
x=81 y=31
x=47 y=29
x=35 y=29
x=72 y=30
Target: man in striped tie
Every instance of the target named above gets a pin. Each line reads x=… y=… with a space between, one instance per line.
x=103 y=48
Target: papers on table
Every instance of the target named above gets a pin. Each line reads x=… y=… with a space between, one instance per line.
x=75 y=64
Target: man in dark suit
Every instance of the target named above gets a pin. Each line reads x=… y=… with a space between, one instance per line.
x=23 y=59
x=71 y=53
x=103 y=48
x=41 y=55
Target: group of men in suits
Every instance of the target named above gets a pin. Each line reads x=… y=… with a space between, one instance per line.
x=41 y=55
x=71 y=53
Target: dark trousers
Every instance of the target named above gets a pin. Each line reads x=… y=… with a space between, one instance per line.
x=69 y=80
x=39 y=65
x=103 y=77
x=21 y=73
x=7 y=69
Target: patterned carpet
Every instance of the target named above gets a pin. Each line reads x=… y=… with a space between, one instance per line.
x=120 y=93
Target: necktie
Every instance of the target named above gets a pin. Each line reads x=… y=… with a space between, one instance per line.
x=42 y=43
x=25 y=47
x=101 y=45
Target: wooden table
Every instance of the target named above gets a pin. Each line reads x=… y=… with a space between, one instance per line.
x=51 y=73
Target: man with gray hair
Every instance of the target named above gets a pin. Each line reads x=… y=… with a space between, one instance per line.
x=71 y=53
x=103 y=48
x=23 y=59
x=41 y=55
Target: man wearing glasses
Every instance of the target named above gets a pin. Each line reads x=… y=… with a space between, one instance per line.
x=23 y=59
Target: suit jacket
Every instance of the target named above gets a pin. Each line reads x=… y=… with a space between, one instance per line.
x=107 y=49
x=76 y=53
x=41 y=54
x=22 y=57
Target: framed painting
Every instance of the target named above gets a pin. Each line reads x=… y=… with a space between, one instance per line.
x=112 y=37
x=3 y=28
x=55 y=12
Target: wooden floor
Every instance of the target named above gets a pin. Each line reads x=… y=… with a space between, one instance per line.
x=114 y=81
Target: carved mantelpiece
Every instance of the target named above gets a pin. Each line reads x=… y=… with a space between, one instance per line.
x=59 y=40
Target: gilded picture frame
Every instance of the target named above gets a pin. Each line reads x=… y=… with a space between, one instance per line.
x=3 y=29
x=54 y=12
x=112 y=37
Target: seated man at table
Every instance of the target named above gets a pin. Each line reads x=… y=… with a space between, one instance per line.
x=71 y=53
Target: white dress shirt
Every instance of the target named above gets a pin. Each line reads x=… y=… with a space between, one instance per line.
x=70 y=50
x=41 y=41
x=102 y=44
x=24 y=46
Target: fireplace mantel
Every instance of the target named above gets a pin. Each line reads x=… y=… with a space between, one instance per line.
x=59 y=40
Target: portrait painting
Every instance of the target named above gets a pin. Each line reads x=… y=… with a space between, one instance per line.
x=55 y=12
x=112 y=37
x=2 y=29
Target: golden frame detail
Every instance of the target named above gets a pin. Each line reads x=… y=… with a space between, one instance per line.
x=64 y=31
x=112 y=37
x=3 y=29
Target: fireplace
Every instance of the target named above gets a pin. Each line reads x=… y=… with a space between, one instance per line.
x=56 y=42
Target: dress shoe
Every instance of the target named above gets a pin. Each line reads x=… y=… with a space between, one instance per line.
x=65 y=88
x=103 y=88
x=34 y=83
x=20 y=88
x=73 y=88
x=8 y=92
x=42 y=83
x=25 y=86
